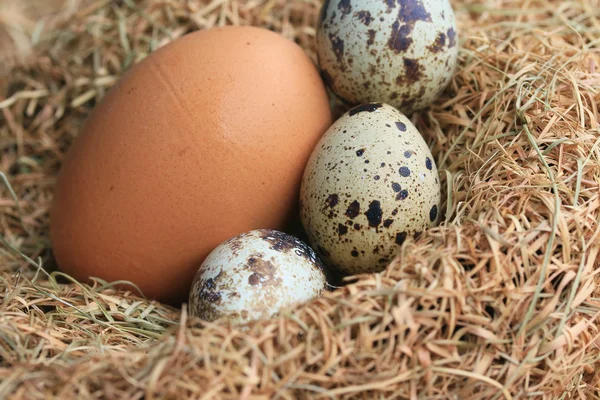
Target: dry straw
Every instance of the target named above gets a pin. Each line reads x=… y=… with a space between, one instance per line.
x=499 y=302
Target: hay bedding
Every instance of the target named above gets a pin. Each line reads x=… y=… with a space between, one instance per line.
x=499 y=302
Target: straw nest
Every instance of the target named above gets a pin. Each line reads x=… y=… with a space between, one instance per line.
x=498 y=302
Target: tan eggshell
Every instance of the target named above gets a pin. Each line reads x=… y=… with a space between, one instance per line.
x=254 y=276
x=204 y=139
x=370 y=182
x=398 y=52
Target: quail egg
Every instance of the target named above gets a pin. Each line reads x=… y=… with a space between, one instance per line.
x=400 y=52
x=370 y=182
x=254 y=275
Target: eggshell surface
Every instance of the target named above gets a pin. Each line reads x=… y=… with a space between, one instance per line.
x=205 y=138
x=369 y=184
x=255 y=275
x=400 y=52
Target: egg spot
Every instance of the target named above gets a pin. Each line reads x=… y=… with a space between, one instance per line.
x=400 y=237
x=401 y=126
x=412 y=70
x=374 y=214
x=433 y=213
x=332 y=200
x=404 y=171
x=337 y=45
x=403 y=194
x=371 y=107
x=208 y=295
x=353 y=209
x=254 y=279
x=428 y=164
x=438 y=45
x=399 y=40
x=408 y=154
x=396 y=187
x=365 y=17
x=452 y=37
x=345 y=7
x=413 y=11
x=371 y=40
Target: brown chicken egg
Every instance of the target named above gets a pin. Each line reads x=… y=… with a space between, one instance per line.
x=204 y=139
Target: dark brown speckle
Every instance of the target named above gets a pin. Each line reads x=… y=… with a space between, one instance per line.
x=413 y=11
x=332 y=200
x=399 y=40
x=433 y=213
x=337 y=45
x=345 y=7
x=400 y=238
x=438 y=45
x=403 y=194
x=353 y=209
x=371 y=40
x=364 y=17
x=428 y=163
x=207 y=298
x=451 y=37
x=371 y=107
x=280 y=241
x=254 y=279
x=412 y=70
x=374 y=214
x=404 y=171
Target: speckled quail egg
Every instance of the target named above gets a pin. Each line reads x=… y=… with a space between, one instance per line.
x=254 y=275
x=400 y=52
x=370 y=182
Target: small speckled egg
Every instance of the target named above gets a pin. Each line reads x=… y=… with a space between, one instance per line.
x=254 y=275
x=370 y=182
x=400 y=52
